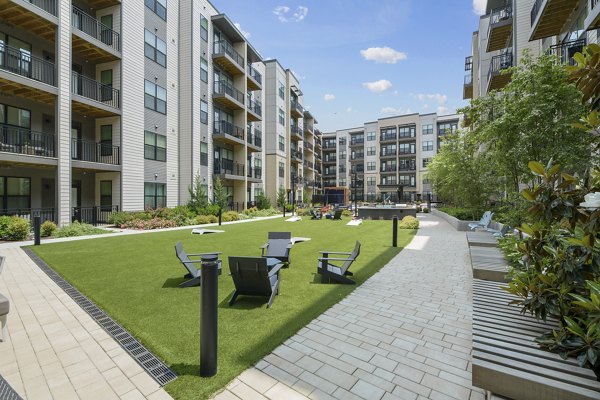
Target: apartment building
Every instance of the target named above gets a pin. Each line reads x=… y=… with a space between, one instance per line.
x=385 y=158
x=559 y=27
x=291 y=137
x=108 y=105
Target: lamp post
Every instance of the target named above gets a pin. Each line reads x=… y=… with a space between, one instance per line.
x=293 y=194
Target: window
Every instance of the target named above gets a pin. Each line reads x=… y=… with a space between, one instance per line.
x=370 y=181
x=388 y=180
x=281 y=143
x=342 y=154
x=155 y=97
x=406 y=148
x=342 y=169
x=281 y=117
x=370 y=136
x=155 y=195
x=281 y=169
x=106 y=195
x=427 y=129
x=15 y=193
x=203 y=153
x=155 y=146
x=446 y=128
x=342 y=141
x=426 y=180
x=106 y=140
x=342 y=182
x=371 y=151
x=203 y=70
x=281 y=90
x=428 y=145
x=388 y=133
x=204 y=28
x=371 y=166
x=407 y=180
x=408 y=164
x=159 y=7
x=406 y=131
x=203 y=112
x=154 y=48
x=15 y=116
x=426 y=162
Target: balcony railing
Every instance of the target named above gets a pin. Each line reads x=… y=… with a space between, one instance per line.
x=47 y=5
x=224 y=47
x=329 y=145
x=229 y=167
x=227 y=128
x=500 y=14
x=14 y=139
x=296 y=154
x=96 y=29
x=388 y=152
x=404 y=168
x=255 y=106
x=94 y=90
x=308 y=127
x=356 y=142
x=87 y=150
x=297 y=107
x=594 y=3
x=388 y=137
x=500 y=62
x=93 y=215
x=388 y=168
x=357 y=156
x=257 y=137
x=254 y=74
x=223 y=87
x=255 y=172
x=296 y=130
x=308 y=145
x=566 y=51
x=308 y=164
x=23 y=63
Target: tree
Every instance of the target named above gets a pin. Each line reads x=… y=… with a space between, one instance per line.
x=281 y=197
x=219 y=193
x=532 y=119
x=198 y=194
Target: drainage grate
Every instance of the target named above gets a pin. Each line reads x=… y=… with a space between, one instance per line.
x=6 y=392
x=156 y=368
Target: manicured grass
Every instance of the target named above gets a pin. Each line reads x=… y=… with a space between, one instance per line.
x=134 y=279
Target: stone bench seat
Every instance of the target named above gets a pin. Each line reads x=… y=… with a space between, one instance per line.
x=482 y=239
x=489 y=264
x=508 y=362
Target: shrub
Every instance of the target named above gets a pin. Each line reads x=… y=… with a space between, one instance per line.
x=4 y=222
x=147 y=224
x=303 y=212
x=230 y=216
x=465 y=214
x=289 y=207
x=206 y=219
x=47 y=228
x=418 y=209
x=17 y=229
x=120 y=218
x=425 y=210
x=211 y=209
x=347 y=213
x=79 y=229
x=249 y=211
x=409 y=222
x=262 y=202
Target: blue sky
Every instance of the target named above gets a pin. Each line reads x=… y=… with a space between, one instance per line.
x=359 y=60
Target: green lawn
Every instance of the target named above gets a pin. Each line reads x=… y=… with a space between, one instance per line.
x=134 y=279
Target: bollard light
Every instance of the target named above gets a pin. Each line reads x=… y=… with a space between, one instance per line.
x=208 y=315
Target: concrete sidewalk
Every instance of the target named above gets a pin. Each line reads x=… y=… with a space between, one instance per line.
x=403 y=334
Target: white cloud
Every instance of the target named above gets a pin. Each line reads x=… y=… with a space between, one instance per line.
x=443 y=110
x=283 y=13
x=349 y=109
x=383 y=55
x=441 y=99
x=425 y=106
x=479 y=6
x=246 y=34
x=378 y=86
x=395 y=111
x=328 y=97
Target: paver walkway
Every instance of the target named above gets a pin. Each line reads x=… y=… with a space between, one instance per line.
x=403 y=334
x=55 y=350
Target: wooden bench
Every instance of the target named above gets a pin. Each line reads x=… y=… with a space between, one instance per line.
x=489 y=264
x=508 y=362
x=484 y=239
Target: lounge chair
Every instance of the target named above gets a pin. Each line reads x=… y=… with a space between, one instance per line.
x=337 y=214
x=4 y=307
x=334 y=272
x=315 y=215
x=485 y=220
x=500 y=233
x=194 y=275
x=278 y=247
x=254 y=276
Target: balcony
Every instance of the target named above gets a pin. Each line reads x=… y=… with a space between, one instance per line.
x=468 y=87
x=254 y=141
x=388 y=168
x=37 y=17
x=257 y=137
x=309 y=164
x=329 y=160
x=329 y=145
x=308 y=146
x=104 y=98
x=90 y=151
x=296 y=109
x=254 y=175
x=228 y=58
x=357 y=142
x=296 y=132
x=500 y=28
x=24 y=75
x=308 y=128
x=254 y=78
x=228 y=96
x=17 y=140
x=407 y=168
x=387 y=137
x=329 y=173
x=93 y=40
x=296 y=155
x=388 y=152
x=549 y=16
x=254 y=110
x=497 y=77
x=566 y=51
x=228 y=132
x=230 y=170
x=357 y=157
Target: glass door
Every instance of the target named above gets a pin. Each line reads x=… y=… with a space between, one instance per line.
x=106 y=35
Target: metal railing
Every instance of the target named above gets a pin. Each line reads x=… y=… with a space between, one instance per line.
x=296 y=106
x=229 y=167
x=257 y=137
x=45 y=214
x=254 y=74
x=329 y=145
x=93 y=215
x=23 y=63
x=355 y=142
x=535 y=10
x=296 y=154
x=14 y=139
x=308 y=127
x=223 y=87
x=96 y=29
x=255 y=106
x=95 y=90
x=308 y=145
x=224 y=47
x=500 y=14
x=330 y=159
x=499 y=63
x=295 y=129
x=227 y=128
x=47 y=5
x=87 y=150
x=254 y=172
x=357 y=156
x=308 y=164
x=565 y=51
x=388 y=152
x=387 y=136
x=388 y=168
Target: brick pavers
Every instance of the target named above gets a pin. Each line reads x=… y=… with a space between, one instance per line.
x=54 y=350
x=403 y=334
